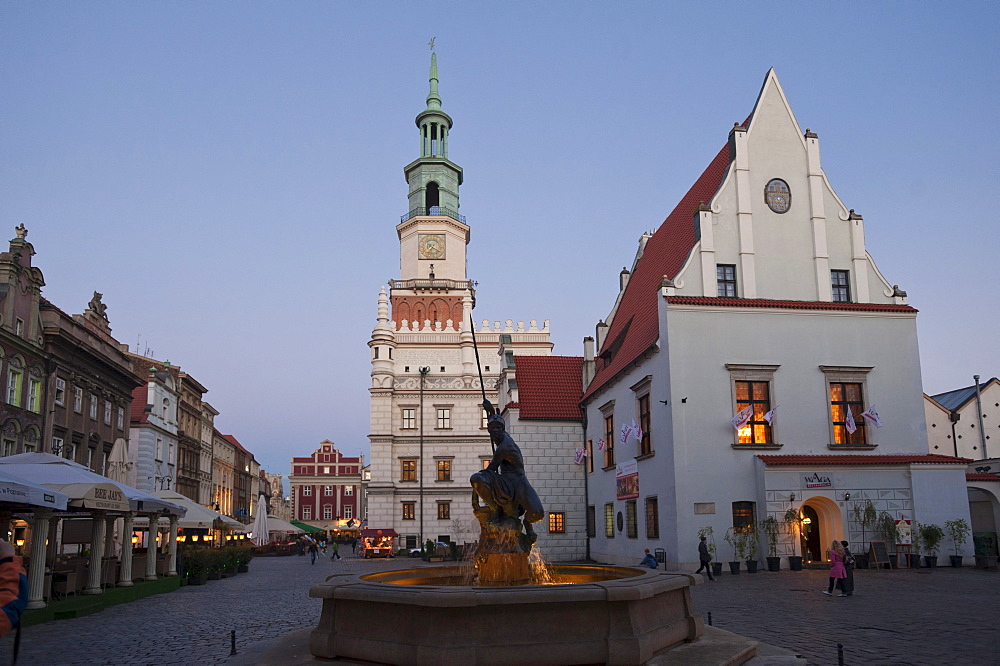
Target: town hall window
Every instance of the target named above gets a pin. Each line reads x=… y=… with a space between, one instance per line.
x=726 y=280
x=443 y=419
x=409 y=418
x=444 y=470
x=409 y=510
x=757 y=396
x=408 y=470
x=444 y=510
x=847 y=397
x=841 y=282
x=557 y=522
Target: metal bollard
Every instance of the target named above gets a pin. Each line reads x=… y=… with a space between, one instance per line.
x=710 y=618
x=232 y=640
x=840 y=654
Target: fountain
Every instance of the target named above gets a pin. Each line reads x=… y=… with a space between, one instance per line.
x=578 y=615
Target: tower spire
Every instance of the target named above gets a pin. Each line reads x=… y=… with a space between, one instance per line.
x=433 y=98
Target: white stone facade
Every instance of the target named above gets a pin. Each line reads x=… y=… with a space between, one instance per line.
x=152 y=443
x=783 y=329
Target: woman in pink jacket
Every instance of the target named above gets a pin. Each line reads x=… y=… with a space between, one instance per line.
x=837 y=571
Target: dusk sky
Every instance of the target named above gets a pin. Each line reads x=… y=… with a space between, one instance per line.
x=229 y=175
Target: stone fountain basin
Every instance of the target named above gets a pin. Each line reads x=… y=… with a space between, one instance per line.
x=608 y=615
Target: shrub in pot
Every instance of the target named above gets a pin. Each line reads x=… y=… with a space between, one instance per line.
x=737 y=539
x=771 y=527
x=886 y=530
x=865 y=516
x=958 y=530
x=792 y=521
x=196 y=566
x=931 y=536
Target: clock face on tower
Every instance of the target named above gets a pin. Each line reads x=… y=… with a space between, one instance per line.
x=431 y=246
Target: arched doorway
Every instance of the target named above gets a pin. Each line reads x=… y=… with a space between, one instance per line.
x=826 y=523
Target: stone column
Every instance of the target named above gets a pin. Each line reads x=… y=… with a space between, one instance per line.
x=36 y=572
x=172 y=545
x=125 y=574
x=53 y=548
x=154 y=530
x=96 y=553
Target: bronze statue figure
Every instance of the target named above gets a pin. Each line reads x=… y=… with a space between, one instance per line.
x=511 y=502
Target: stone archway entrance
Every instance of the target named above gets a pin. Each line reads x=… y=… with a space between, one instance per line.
x=826 y=524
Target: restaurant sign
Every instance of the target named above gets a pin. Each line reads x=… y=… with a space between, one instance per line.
x=817 y=480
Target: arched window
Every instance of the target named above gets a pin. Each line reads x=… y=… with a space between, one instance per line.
x=432 y=198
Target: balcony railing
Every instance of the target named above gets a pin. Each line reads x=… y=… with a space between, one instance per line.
x=433 y=211
x=432 y=284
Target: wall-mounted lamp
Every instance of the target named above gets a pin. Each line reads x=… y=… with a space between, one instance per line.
x=791 y=497
x=847 y=496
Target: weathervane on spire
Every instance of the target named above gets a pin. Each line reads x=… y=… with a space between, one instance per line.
x=431 y=44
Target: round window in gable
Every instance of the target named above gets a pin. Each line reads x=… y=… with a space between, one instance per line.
x=778 y=196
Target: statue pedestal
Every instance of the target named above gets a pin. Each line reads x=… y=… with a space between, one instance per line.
x=502 y=569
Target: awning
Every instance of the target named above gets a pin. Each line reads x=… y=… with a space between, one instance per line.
x=279 y=525
x=310 y=529
x=379 y=532
x=47 y=469
x=106 y=496
x=16 y=490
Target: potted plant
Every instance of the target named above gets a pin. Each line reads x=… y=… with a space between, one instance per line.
x=771 y=527
x=709 y=535
x=750 y=547
x=243 y=557
x=958 y=530
x=931 y=536
x=195 y=566
x=865 y=516
x=914 y=557
x=885 y=529
x=735 y=538
x=793 y=525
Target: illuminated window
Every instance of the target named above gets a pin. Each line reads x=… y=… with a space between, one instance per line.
x=444 y=510
x=757 y=394
x=631 y=520
x=409 y=418
x=408 y=470
x=348 y=491
x=726 y=280
x=444 y=470
x=744 y=515
x=409 y=510
x=609 y=520
x=841 y=282
x=645 y=443
x=609 y=440
x=846 y=396
x=652 y=518
x=557 y=522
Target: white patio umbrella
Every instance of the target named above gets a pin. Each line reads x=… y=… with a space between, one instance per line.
x=275 y=524
x=15 y=490
x=260 y=536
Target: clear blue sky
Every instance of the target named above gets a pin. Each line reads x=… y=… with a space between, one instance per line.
x=229 y=175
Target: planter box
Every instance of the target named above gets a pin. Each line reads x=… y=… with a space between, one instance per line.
x=752 y=566
x=930 y=561
x=914 y=561
x=956 y=560
x=734 y=568
x=716 y=568
x=774 y=564
x=795 y=562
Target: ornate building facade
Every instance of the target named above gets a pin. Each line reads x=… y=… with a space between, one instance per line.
x=326 y=486
x=428 y=432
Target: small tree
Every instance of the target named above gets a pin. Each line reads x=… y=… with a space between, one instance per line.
x=865 y=516
x=958 y=531
x=736 y=537
x=931 y=536
x=793 y=524
x=885 y=528
x=708 y=533
x=770 y=527
x=750 y=542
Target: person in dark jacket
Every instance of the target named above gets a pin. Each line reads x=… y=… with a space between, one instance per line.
x=649 y=561
x=705 y=558
x=13 y=589
x=848 y=582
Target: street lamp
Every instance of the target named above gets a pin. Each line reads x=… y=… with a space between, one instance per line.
x=420 y=471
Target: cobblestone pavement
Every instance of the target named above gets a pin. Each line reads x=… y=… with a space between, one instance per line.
x=947 y=616
x=944 y=616
x=192 y=624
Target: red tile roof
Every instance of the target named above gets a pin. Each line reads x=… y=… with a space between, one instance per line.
x=861 y=459
x=140 y=398
x=549 y=387
x=792 y=305
x=980 y=476
x=635 y=328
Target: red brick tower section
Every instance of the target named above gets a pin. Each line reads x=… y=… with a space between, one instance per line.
x=423 y=310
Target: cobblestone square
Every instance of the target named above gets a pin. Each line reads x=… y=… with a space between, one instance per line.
x=944 y=616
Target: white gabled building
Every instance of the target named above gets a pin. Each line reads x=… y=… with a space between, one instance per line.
x=757 y=292
x=428 y=432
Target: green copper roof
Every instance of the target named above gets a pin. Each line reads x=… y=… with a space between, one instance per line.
x=433 y=98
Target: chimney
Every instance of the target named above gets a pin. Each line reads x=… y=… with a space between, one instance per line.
x=589 y=365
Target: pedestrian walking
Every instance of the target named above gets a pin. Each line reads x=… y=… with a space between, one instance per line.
x=313 y=551
x=336 y=551
x=837 y=570
x=354 y=547
x=649 y=561
x=848 y=585
x=705 y=558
